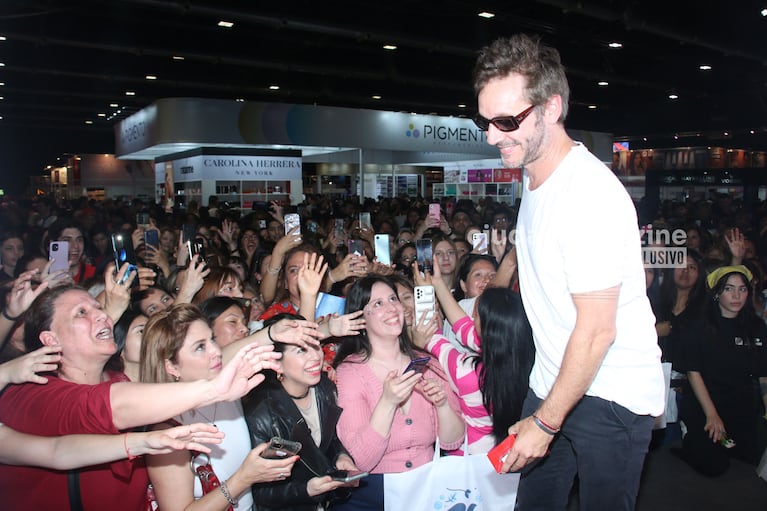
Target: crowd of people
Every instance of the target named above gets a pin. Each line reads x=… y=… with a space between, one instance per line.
x=162 y=331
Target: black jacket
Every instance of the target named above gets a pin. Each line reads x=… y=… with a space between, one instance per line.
x=269 y=412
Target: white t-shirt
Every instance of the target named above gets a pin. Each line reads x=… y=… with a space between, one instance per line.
x=226 y=457
x=578 y=232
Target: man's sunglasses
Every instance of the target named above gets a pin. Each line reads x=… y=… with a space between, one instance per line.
x=506 y=123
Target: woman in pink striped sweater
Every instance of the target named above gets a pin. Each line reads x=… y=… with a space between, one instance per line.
x=391 y=418
x=491 y=380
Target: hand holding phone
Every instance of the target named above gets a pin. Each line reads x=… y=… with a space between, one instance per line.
x=383 y=254
x=497 y=455
x=418 y=365
x=424 y=255
x=424 y=302
x=279 y=448
x=58 y=252
x=292 y=220
x=347 y=476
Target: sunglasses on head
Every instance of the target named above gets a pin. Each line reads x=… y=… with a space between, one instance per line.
x=505 y=123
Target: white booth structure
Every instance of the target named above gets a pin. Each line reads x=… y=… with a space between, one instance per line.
x=250 y=152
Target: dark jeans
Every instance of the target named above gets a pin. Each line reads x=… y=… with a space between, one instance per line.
x=601 y=441
x=369 y=496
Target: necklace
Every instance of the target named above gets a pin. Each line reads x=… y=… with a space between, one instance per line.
x=301 y=396
x=215 y=411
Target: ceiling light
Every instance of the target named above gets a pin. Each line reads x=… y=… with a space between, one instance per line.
x=240 y=100
x=763 y=12
x=88 y=122
x=225 y=24
x=1 y=97
x=102 y=115
x=676 y=137
x=150 y=77
x=705 y=67
x=130 y=93
x=2 y=38
x=1 y=117
x=2 y=64
x=376 y=96
x=752 y=132
x=673 y=96
x=461 y=105
x=592 y=107
x=615 y=45
x=486 y=15
x=274 y=87
x=644 y=138
x=726 y=134
x=178 y=57
x=113 y=105
x=603 y=84
x=389 y=46
x=2 y=83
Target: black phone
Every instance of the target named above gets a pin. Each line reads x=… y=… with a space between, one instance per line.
x=188 y=232
x=195 y=246
x=123 y=253
x=424 y=255
x=418 y=364
x=152 y=237
x=280 y=448
x=355 y=247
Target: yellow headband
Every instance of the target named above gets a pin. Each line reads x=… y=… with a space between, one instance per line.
x=715 y=276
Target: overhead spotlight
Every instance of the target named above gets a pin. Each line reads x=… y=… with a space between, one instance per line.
x=113 y=105
x=177 y=57
x=603 y=83
x=240 y=100
x=390 y=47
x=2 y=83
x=2 y=64
x=644 y=138
x=225 y=24
x=673 y=96
x=274 y=87
x=461 y=105
x=763 y=12
x=2 y=38
x=88 y=122
x=705 y=67
x=150 y=77
x=676 y=137
x=486 y=15
x=726 y=133
x=102 y=115
x=592 y=107
x=130 y=93
x=615 y=45
x=375 y=96
x=752 y=132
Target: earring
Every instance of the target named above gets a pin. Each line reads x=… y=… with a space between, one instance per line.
x=280 y=377
x=176 y=378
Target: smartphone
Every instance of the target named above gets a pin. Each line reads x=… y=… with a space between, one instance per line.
x=382 y=249
x=497 y=455
x=195 y=247
x=347 y=476
x=424 y=302
x=280 y=448
x=58 y=252
x=355 y=247
x=365 y=220
x=142 y=219
x=292 y=220
x=434 y=212
x=152 y=237
x=340 y=231
x=424 y=255
x=123 y=253
x=479 y=242
x=188 y=232
x=262 y=224
x=418 y=365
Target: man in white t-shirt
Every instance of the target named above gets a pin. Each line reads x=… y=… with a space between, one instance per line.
x=597 y=380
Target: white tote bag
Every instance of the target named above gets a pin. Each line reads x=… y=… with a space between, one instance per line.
x=449 y=483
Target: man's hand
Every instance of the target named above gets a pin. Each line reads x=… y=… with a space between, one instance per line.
x=531 y=444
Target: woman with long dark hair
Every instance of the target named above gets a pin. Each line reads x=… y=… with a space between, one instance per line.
x=726 y=367
x=491 y=375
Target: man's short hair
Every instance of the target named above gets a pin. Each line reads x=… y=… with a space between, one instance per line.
x=527 y=56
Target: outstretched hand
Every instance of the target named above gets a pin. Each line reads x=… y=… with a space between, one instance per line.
x=241 y=374
x=311 y=273
x=25 y=368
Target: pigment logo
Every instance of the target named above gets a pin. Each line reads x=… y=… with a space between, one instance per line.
x=413 y=131
x=662 y=248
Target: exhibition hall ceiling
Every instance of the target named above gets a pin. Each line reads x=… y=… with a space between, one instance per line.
x=83 y=65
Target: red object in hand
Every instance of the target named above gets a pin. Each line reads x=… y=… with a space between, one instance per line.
x=497 y=454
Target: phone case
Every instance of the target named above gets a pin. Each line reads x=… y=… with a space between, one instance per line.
x=382 y=249
x=497 y=455
x=434 y=211
x=418 y=365
x=151 y=237
x=279 y=448
x=355 y=247
x=424 y=302
x=479 y=242
x=292 y=220
x=58 y=252
x=340 y=231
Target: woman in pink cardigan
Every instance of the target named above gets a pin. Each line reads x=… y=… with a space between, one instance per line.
x=391 y=418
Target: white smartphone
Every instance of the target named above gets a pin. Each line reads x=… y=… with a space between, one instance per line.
x=382 y=248
x=479 y=242
x=424 y=302
x=58 y=252
x=292 y=220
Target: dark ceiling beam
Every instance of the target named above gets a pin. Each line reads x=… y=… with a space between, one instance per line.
x=631 y=20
